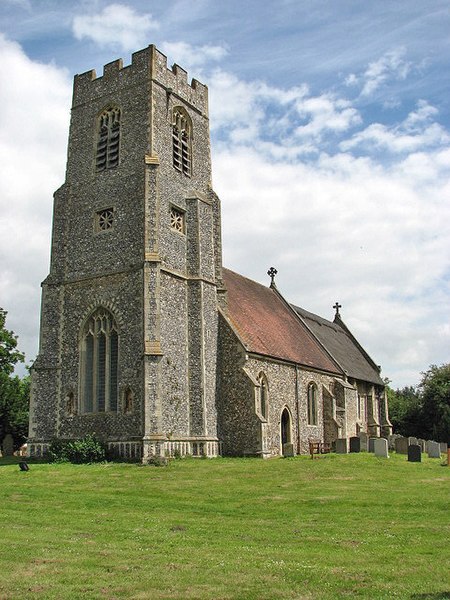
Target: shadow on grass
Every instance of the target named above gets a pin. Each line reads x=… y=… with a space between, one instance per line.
x=436 y=596
x=6 y=461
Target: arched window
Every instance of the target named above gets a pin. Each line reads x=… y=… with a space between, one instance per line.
x=108 y=139
x=181 y=141
x=312 y=404
x=99 y=363
x=263 y=396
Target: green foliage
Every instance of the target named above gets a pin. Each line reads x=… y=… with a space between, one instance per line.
x=435 y=395
x=14 y=407
x=14 y=392
x=84 y=451
x=9 y=356
x=423 y=411
x=405 y=410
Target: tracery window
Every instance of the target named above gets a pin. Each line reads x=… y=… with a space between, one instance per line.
x=263 y=396
x=99 y=363
x=104 y=219
x=108 y=140
x=182 y=141
x=177 y=219
x=312 y=404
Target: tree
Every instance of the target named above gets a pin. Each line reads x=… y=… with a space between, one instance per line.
x=405 y=407
x=14 y=392
x=9 y=356
x=434 y=391
x=14 y=407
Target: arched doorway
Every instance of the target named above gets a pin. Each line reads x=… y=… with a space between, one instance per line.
x=286 y=429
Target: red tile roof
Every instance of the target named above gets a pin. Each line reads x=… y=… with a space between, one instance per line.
x=268 y=326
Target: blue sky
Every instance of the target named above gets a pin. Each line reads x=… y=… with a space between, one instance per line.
x=330 y=131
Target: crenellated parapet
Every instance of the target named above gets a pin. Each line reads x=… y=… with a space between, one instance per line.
x=150 y=64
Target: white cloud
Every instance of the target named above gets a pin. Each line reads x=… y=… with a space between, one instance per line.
x=390 y=66
x=33 y=136
x=370 y=231
x=193 y=56
x=117 y=25
x=325 y=114
x=417 y=131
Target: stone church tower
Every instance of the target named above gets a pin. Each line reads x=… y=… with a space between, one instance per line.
x=129 y=320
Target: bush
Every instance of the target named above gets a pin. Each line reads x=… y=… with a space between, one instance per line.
x=84 y=451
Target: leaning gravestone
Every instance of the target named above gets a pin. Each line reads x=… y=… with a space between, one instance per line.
x=8 y=445
x=381 y=447
x=341 y=446
x=414 y=454
x=372 y=444
x=401 y=445
x=355 y=444
x=364 y=441
x=434 y=450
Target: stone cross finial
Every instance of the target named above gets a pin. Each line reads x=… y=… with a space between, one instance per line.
x=272 y=272
x=337 y=306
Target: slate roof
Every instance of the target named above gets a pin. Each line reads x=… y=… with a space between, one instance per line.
x=342 y=346
x=267 y=325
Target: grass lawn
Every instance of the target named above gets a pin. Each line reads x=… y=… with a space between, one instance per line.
x=334 y=527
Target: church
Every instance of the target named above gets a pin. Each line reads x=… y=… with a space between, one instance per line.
x=147 y=342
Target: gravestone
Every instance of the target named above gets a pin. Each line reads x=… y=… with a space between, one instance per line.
x=413 y=441
x=372 y=444
x=414 y=454
x=401 y=445
x=8 y=445
x=381 y=447
x=391 y=440
x=444 y=447
x=288 y=449
x=355 y=444
x=364 y=441
x=434 y=450
x=422 y=444
x=341 y=446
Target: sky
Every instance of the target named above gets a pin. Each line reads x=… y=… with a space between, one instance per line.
x=330 y=130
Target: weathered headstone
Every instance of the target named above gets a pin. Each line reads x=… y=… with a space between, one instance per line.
x=444 y=447
x=288 y=449
x=434 y=450
x=341 y=446
x=413 y=441
x=391 y=440
x=8 y=445
x=414 y=454
x=355 y=444
x=372 y=444
x=364 y=441
x=422 y=444
x=381 y=447
x=401 y=445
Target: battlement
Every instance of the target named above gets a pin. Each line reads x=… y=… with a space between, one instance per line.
x=146 y=64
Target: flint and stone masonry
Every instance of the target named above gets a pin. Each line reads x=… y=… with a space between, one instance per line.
x=138 y=345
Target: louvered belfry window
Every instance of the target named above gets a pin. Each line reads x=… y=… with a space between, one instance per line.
x=108 y=141
x=181 y=140
x=99 y=357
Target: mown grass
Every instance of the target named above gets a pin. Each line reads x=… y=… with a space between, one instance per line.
x=335 y=527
